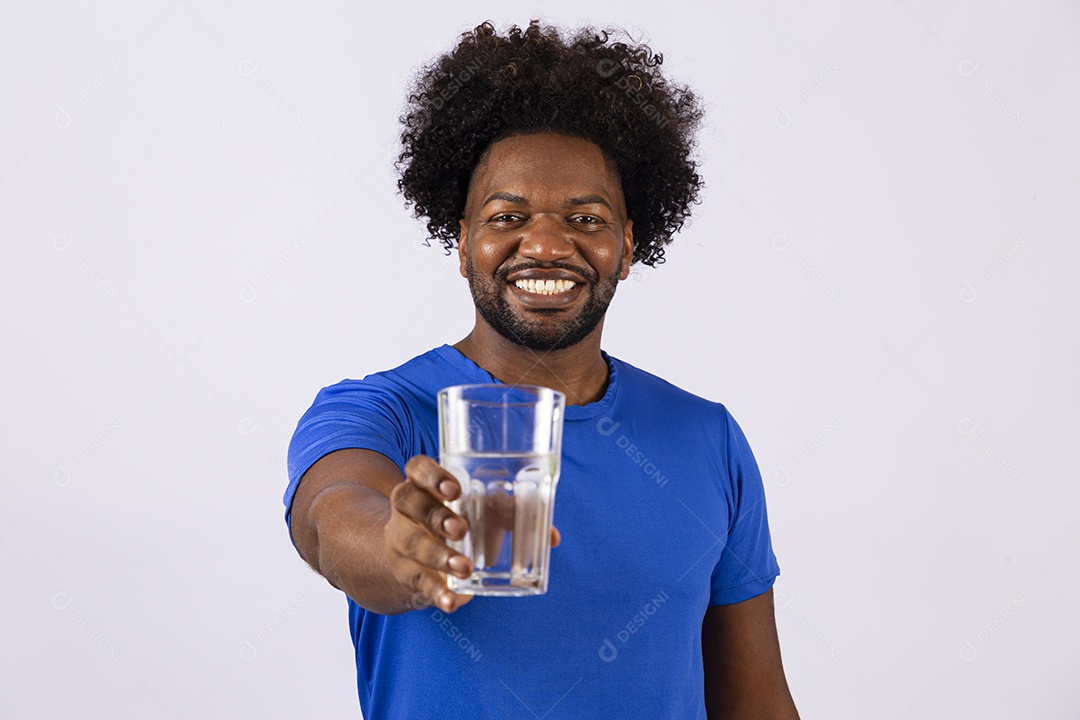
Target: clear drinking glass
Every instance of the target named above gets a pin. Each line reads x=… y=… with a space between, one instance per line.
x=503 y=444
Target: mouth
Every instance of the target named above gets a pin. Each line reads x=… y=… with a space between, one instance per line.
x=536 y=286
x=546 y=289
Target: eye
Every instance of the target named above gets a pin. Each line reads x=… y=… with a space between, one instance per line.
x=588 y=221
x=503 y=218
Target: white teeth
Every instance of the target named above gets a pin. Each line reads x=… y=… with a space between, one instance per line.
x=545 y=287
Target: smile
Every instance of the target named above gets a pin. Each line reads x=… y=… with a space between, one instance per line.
x=544 y=287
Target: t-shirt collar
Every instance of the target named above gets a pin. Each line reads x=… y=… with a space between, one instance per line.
x=477 y=374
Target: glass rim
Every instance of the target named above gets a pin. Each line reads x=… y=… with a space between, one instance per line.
x=541 y=392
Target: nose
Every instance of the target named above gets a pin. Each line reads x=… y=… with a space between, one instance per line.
x=546 y=238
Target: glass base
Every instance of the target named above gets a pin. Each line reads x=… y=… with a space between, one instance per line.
x=497 y=584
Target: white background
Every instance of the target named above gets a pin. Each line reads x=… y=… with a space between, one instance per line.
x=200 y=229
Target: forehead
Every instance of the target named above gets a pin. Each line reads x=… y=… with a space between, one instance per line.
x=545 y=163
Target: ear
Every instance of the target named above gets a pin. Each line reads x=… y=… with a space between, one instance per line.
x=463 y=237
x=628 y=249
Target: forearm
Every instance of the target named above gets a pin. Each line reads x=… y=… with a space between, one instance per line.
x=343 y=541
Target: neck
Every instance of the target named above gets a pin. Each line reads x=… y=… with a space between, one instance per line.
x=578 y=371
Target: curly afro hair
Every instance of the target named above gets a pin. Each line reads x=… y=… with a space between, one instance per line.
x=492 y=86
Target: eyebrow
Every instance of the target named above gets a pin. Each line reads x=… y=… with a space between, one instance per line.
x=508 y=197
x=589 y=200
x=570 y=202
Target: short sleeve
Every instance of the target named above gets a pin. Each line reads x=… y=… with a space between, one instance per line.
x=350 y=414
x=747 y=565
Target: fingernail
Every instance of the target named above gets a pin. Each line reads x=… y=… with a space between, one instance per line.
x=446 y=602
x=453 y=527
x=446 y=487
x=459 y=564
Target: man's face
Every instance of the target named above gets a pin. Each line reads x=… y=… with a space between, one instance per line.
x=545 y=239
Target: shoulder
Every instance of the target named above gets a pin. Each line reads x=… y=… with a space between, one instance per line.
x=413 y=375
x=641 y=386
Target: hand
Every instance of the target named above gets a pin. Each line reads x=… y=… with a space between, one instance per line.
x=419 y=526
x=416 y=534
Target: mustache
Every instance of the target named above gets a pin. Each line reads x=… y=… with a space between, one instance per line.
x=586 y=272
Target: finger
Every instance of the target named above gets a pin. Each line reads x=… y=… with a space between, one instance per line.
x=429 y=587
x=432 y=477
x=419 y=506
x=556 y=536
x=410 y=542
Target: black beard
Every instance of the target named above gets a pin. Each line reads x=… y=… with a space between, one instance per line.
x=489 y=296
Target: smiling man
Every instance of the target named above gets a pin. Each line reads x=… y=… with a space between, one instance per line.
x=544 y=241
x=552 y=165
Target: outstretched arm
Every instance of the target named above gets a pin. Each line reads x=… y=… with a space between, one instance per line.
x=377 y=535
x=744 y=675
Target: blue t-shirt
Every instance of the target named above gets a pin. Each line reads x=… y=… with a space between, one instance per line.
x=662 y=514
